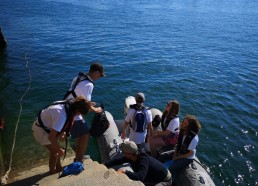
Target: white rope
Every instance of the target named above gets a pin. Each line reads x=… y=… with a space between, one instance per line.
x=5 y=177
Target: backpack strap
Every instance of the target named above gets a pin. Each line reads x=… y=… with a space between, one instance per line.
x=70 y=118
x=41 y=123
x=66 y=103
x=135 y=107
x=81 y=77
x=68 y=123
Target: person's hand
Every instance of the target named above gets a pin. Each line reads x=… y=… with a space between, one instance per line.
x=123 y=135
x=93 y=103
x=60 y=152
x=62 y=136
x=120 y=171
x=152 y=135
x=175 y=156
x=149 y=138
x=151 y=132
x=98 y=110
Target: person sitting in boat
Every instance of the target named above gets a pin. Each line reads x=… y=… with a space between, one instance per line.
x=146 y=169
x=139 y=120
x=53 y=123
x=187 y=143
x=170 y=128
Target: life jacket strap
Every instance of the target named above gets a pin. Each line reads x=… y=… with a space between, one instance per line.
x=81 y=77
x=182 y=148
x=41 y=123
x=67 y=110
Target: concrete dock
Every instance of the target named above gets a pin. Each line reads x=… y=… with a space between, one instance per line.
x=94 y=174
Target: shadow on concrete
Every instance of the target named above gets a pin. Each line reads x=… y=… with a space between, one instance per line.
x=33 y=180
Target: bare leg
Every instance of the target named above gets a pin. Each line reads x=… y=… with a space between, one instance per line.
x=52 y=159
x=59 y=167
x=154 y=143
x=81 y=147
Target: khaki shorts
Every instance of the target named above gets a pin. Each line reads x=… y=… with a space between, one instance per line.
x=40 y=135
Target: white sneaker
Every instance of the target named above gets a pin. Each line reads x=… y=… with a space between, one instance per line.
x=86 y=157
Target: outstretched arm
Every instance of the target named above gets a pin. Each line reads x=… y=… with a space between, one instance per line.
x=142 y=169
x=150 y=129
x=126 y=124
x=116 y=161
x=95 y=109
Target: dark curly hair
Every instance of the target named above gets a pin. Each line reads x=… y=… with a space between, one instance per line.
x=194 y=124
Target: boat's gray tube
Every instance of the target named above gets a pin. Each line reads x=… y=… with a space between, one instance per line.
x=109 y=142
x=196 y=174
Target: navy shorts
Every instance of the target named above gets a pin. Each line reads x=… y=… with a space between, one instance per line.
x=79 y=128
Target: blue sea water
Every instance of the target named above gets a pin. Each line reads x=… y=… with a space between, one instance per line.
x=202 y=53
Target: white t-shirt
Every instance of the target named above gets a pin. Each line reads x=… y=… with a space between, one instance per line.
x=173 y=124
x=83 y=88
x=192 y=145
x=138 y=137
x=54 y=117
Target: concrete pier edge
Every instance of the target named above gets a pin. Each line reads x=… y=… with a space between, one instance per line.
x=93 y=174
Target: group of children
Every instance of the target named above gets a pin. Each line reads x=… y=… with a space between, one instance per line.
x=183 y=138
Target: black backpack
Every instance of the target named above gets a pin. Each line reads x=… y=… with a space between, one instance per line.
x=99 y=124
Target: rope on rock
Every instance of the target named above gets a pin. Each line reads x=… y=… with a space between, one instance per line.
x=5 y=177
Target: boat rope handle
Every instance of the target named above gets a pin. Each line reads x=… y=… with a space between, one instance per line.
x=5 y=177
x=207 y=169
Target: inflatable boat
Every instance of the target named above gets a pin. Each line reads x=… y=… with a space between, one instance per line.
x=196 y=174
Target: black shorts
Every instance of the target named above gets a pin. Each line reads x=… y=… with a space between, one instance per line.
x=79 y=128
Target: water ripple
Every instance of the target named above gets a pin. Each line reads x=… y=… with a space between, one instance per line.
x=203 y=54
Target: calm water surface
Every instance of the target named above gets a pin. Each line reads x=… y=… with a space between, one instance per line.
x=202 y=53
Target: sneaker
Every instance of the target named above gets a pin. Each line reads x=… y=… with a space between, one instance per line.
x=86 y=157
